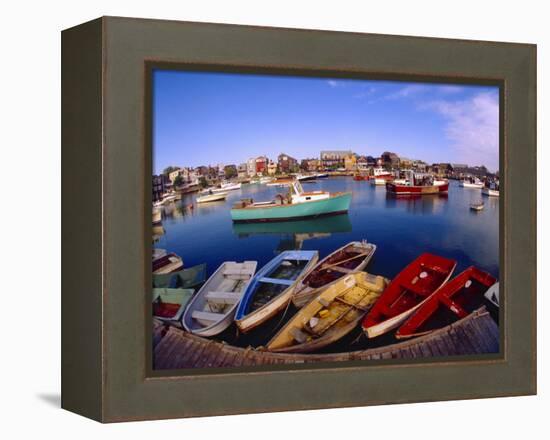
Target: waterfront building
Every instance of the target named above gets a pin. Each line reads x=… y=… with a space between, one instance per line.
x=287 y=163
x=310 y=164
x=174 y=174
x=159 y=186
x=350 y=162
x=390 y=160
x=251 y=167
x=332 y=159
x=261 y=164
x=363 y=164
x=271 y=168
x=242 y=171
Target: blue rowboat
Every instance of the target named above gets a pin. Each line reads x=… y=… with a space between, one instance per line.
x=298 y=204
x=271 y=288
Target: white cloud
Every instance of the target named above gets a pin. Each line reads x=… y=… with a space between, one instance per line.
x=473 y=128
x=407 y=91
x=333 y=83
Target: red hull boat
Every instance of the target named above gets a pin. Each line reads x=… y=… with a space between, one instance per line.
x=361 y=177
x=455 y=300
x=407 y=292
x=402 y=189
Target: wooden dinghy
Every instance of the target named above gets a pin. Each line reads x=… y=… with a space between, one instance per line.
x=352 y=257
x=271 y=289
x=183 y=279
x=213 y=308
x=333 y=314
x=408 y=291
x=169 y=304
x=165 y=263
x=454 y=301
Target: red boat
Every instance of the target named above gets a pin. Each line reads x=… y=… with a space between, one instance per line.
x=361 y=177
x=407 y=292
x=455 y=300
x=418 y=184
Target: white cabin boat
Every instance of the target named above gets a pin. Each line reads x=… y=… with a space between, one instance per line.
x=213 y=308
x=212 y=197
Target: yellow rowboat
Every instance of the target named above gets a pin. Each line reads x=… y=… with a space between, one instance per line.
x=331 y=315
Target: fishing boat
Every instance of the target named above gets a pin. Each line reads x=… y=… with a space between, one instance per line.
x=471 y=182
x=271 y=289
x=359 y=177
x=213 y=308
x=169 y=304
x=212 y=197
x=306 y=177
x=491 y=189
x=164 y=262
x=492 y=295
x=331 y=315
x=297 y=204
x=351 y=257
x=321 y=175
x=182 y=279
x=418 y=184
x=265 y=180
x=407 y=292
x=157 y=216
x=477 y=206
x=455 y=300
x=281 y=181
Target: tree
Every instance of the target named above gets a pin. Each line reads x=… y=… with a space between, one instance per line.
x=178 y=181
x=169 y=169
x=230 y=171
x=202 y=182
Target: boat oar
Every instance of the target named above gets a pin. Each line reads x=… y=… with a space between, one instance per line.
x=323 y=267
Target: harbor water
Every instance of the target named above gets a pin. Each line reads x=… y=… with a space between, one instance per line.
x=402 y=228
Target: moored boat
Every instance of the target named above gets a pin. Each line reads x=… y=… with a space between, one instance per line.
x=271 y=288
x=418 y=184
x=361 y=176
x=471 y=182
x=297 y=204
x=455 y=300
x=351 y=257
x=477 y=206
x=164 y=262
x=169 y=304
x=213 y=197
x=406 y=292
x=492 y=295
x=213 y=308
x=183 y=279
x=331 y=315
x=491 y=189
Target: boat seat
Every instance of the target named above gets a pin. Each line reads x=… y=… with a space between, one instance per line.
x=415 y=289
x=223 y=297
x=276 y=281
x=435 y=269
x=453 y=307
x=207 y=318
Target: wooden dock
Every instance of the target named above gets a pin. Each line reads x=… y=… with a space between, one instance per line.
x=176 y=349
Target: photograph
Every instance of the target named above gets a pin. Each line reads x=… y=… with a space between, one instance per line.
x=302 y=219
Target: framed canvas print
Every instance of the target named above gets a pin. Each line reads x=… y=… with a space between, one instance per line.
x=322 y=219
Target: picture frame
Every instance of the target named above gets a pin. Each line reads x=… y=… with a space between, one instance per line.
x=106 y=227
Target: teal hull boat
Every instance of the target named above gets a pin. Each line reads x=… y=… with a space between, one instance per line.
x=280 y=211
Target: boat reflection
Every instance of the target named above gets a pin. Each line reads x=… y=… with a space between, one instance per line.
x=417 y=204
x=293 y=234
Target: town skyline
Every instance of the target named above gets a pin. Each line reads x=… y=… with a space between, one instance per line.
x=204 y=119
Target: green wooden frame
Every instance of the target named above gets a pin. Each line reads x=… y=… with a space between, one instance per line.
x=106 y=195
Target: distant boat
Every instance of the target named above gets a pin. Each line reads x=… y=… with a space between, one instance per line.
x=455 y=300
x=331 y=315
x=321 y=175
x=491 y=189
x=359 y=177
x=213 y=308
x=212 y=197
x=306 y=177
x=169 y=304
x=270 y=290
x=298 y=204
x=351 y=257
x=407 y=292
x=164 y=262
x=264 y=180
x=492 y=295
x=281 y=181
x=229 y=186
x=471 y=182
x=477 y=206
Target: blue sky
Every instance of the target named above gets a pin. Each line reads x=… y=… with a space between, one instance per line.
x=202 y=118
